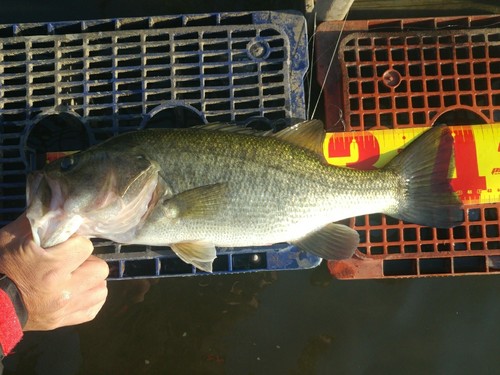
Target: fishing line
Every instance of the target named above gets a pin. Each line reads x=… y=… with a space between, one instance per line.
x=329 y=66
x=312 y=39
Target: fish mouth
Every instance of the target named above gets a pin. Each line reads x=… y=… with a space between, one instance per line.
x=54 y=217
x=50 y=225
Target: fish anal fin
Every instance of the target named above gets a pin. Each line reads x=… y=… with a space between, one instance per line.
x=332 y=242
x=200 y=254
x=308 y=134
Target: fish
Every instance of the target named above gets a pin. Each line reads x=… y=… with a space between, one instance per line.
x=220 y=185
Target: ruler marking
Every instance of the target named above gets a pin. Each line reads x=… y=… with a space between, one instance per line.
x=476 y=177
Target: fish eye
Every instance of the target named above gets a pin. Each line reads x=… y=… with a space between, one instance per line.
x=67 y=163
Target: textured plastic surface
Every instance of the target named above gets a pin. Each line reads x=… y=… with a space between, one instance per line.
x=413 y=79
x=65 y=86
x=413 y=72
x=134 y=262
x=406 y=73
x=390 y=248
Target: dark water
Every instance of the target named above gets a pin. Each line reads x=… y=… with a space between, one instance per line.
x=300 y=322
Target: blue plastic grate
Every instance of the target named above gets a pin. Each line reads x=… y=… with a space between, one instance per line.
x=162 y=262
x=65 y=86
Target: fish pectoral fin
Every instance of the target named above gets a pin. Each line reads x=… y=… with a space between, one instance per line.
x=200 y=202
x=332 y=242
x=308 y=134
x=200 y=254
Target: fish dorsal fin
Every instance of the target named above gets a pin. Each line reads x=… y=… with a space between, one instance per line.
x=200 y=254
x=332 y=242
x=308 y=134
x=200 y=202
x=232 y=128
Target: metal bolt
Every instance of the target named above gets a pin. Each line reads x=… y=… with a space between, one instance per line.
x=391 y=78
x=255 y=258
x=258 y=49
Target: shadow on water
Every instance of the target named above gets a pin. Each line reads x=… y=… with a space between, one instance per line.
x=277 y=323
x=177 y=328
x=180 y=326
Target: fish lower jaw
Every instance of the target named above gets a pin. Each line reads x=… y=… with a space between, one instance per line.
x=51 y=231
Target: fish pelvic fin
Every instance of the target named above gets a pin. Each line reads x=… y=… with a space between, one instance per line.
x=332 y=242
x=424 y=169
x=200 y=254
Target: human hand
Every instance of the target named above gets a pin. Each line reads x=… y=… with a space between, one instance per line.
x=60 y=286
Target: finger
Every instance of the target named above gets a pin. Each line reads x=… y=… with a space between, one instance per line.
x=72 y=253
x=20 y=225
x=89 y=275
x=14 y=234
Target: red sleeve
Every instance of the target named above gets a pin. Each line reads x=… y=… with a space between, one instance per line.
x=11 y=331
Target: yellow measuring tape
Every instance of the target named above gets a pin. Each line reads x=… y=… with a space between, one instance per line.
x=476 y=178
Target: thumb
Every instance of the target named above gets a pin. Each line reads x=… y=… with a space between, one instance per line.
x=73 y=252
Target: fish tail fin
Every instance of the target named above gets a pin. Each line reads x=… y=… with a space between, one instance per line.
x=425 y=168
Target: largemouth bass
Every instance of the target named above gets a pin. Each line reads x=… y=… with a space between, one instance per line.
x=218 y=185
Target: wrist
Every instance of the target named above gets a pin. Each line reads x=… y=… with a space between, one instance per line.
x=13 y=315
